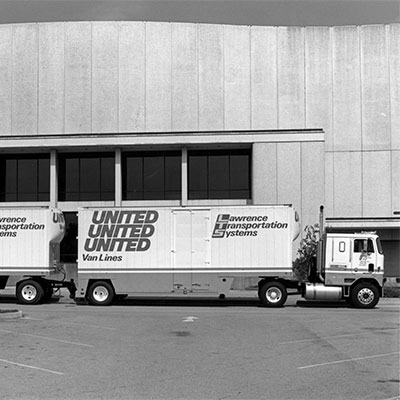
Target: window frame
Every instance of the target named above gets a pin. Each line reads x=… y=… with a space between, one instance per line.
x=101 y=194
x=41 y=193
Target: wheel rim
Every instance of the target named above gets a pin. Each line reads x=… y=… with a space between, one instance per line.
x=29 y=292
x=365 y=296
x=100 y=294
x=273 y=295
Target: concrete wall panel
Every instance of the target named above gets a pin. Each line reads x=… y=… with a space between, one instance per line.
x=329 y=185
x=394 y=61
x=346 y=89
x=51 y=78
x=25 y=79
x=395 y=168
x=211 y=95
x=78 y=77
x=264 y=173
x=289 y=174
x=5 y=78
x=376 y=192
x=375 y=88
x=318 y=70
x=158 y=77
x=184 y=78
x=105 y=77
x=264 y=100
x=291 y=78
x=132 y=77
x=237 y=77
x=312 y=181
x=348 y=184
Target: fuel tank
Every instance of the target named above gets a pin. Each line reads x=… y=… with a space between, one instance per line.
x=318 y=291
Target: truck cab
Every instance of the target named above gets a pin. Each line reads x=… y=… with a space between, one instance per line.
x=349 y=266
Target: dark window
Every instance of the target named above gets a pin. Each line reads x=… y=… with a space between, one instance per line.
x=363 y=245
x=86 y=177
x=151 y=175
x=25 y=178
x=69 y=245
x=219 y=174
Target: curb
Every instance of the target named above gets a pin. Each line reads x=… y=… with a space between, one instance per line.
x=10 y=314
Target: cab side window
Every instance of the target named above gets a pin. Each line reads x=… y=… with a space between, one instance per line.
x=361 y=245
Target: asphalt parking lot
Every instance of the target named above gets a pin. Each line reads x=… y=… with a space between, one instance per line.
x=199 y=349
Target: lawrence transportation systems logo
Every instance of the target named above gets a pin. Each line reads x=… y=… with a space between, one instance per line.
x=228 y=225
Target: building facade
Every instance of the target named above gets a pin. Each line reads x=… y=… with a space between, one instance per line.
x=147 y=113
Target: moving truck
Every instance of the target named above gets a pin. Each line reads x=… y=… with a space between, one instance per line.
x=201 y=250
x=183 y=251
x=30 y=252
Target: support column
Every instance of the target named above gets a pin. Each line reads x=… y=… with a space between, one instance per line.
x=53 y=178
x=118 y=178
x=264 y=173
x=184 y=175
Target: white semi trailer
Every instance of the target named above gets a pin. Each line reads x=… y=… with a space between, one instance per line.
x=30 y=252
x=201 y=250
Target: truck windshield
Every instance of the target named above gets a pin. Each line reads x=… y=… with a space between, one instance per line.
x=378 y=243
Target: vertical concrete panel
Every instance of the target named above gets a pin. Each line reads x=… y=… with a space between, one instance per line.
x=158 y=77
x=376 y=184
x=237 y=77
x=394 y=59
x=329 y=185
x=264 y=99
x=395 y=181
x=25 y=79
x=312 y=181
x=346 y=89
x=375 y=89
x=184 y=78
x=5 y=78
x=291 y=78
x=211 y=95
x=105 y=77
x=132 y=77
x=319 y=91
x=289 y=174
x=78 y=77
x=264 y=173
x=348 y=184
x=51 y=78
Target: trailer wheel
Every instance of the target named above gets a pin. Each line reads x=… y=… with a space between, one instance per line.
x=100 y=293
x=273 y=294
x=365 y=295
x=29 y=292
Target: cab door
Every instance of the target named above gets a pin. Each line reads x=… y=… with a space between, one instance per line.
x=363 y=258
x=341 y=251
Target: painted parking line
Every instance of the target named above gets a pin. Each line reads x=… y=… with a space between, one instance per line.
x=31 y=367
x=339 y=336
x=347 y=360
x=74 y=323
x=48 y=338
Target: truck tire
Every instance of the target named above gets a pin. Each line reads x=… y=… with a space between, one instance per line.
x=365 y=295
x=273 y=294
x=29 y=292
x=100 y=293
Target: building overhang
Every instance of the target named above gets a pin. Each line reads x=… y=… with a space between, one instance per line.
x=116 y=140
x=362 y=223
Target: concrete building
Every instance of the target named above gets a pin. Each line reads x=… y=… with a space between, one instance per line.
x=136 y=113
